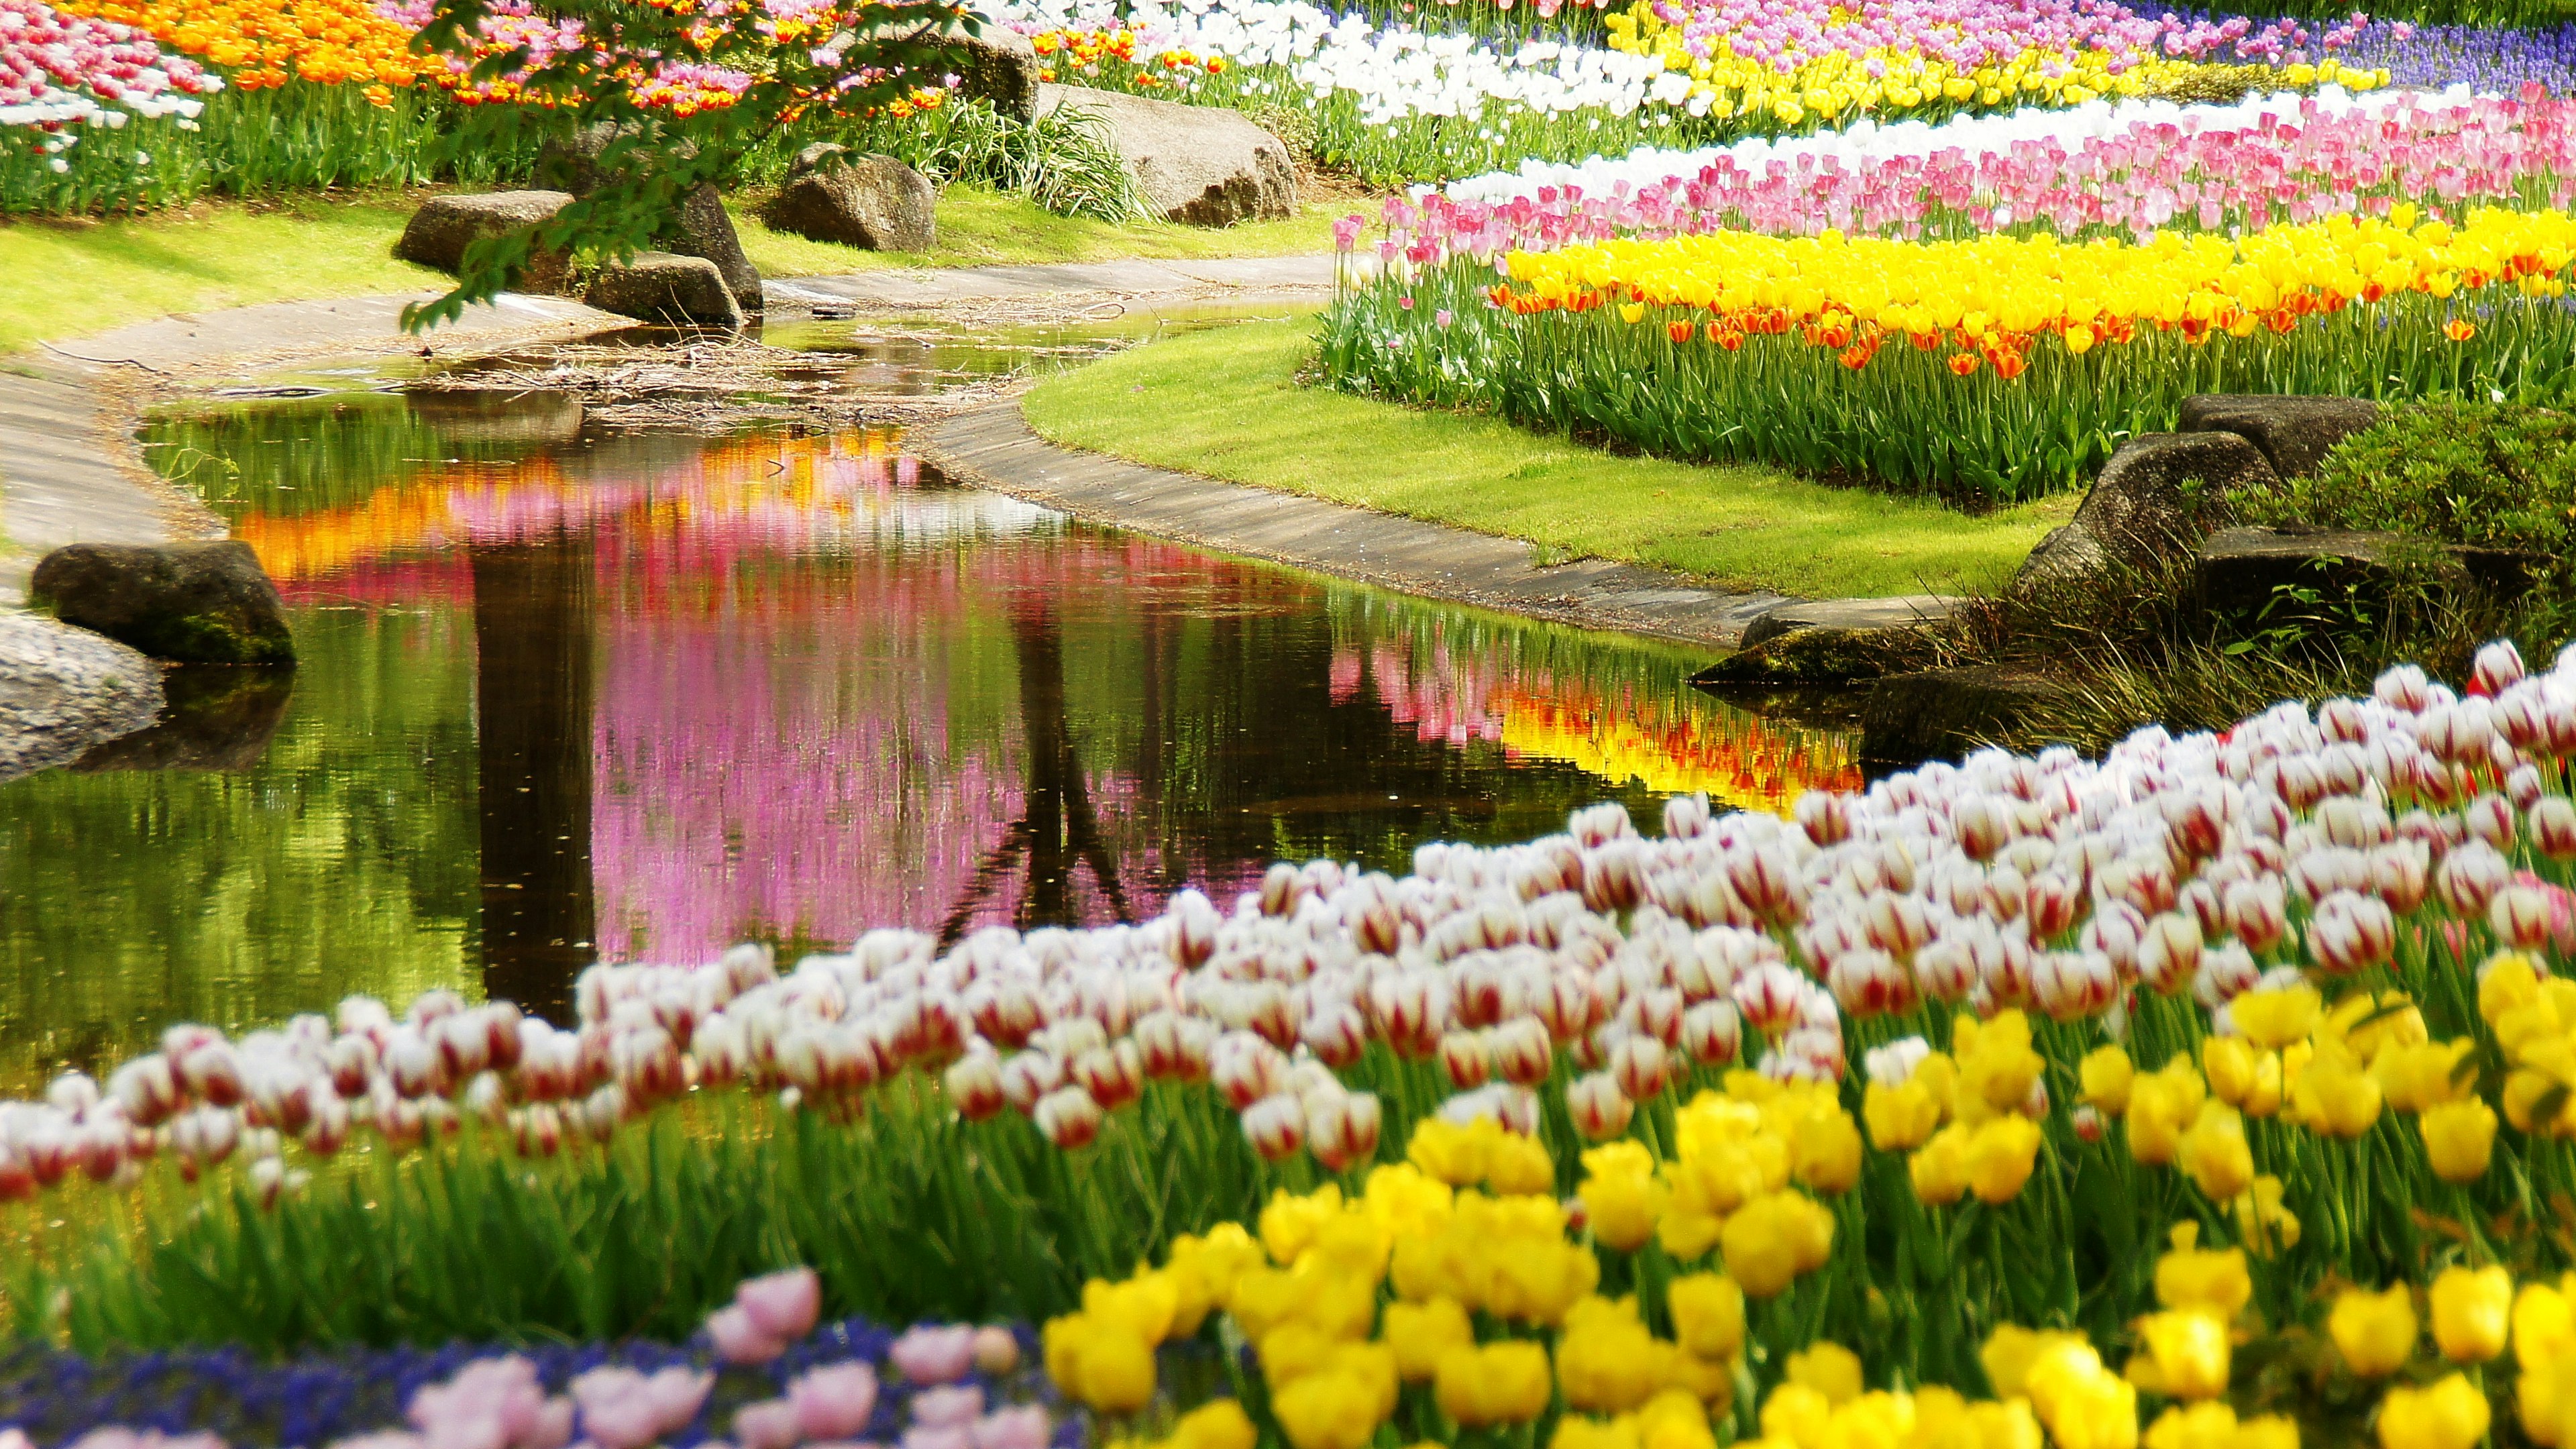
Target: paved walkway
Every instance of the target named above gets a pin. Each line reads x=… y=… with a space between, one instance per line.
x=1256 y=278
x=994 y=448
x=68 y=472
x=68 y=469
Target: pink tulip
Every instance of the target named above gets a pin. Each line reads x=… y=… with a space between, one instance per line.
x=738 y=1340
x=1023 y=1427
x=782 y=1305
x=935 y=1355
x=768 y=1424
x=946 y=1408
x=948 y=1436
x=676 y=1395
x=834 y=1402
x=618 y=1408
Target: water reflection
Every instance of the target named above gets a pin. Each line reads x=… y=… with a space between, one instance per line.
x=567 y=695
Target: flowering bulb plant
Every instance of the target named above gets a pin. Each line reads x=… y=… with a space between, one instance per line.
x=683 y=90
x=2019 y=359
x=59 y=71
x=1988 y=1076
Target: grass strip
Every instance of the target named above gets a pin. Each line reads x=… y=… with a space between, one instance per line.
x=91 y=275
x=1227 y=404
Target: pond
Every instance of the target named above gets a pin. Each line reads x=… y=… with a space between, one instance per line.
x=570 y=693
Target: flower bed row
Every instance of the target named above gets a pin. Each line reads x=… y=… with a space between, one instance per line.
x=764 y=1373
x=2100 y=170
x=1990 y=370
x=1921 y=1068
x=1399 y=102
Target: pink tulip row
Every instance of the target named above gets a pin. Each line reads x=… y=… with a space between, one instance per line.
x=1969 y=34
x=2311 y=162
x=59 y=70
x=2189 y=866
x=952 y=1388
x=515 y=25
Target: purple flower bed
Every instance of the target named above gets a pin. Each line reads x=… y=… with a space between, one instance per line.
x=56 y=1398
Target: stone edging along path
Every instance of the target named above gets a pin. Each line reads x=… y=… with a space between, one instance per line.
x=69 y=472
x=993 y=447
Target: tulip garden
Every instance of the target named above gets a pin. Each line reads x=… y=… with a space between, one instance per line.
x=2213 y=1093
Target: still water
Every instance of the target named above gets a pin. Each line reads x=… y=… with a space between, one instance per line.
x=568 y=694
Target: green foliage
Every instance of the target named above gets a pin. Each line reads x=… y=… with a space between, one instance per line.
x=864 y=57
x=1063 y=161
x=1903 y=422
x=1226 y=403
x=2478 y=474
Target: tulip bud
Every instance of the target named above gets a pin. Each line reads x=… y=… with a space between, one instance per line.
x=2351 y=932
x=1276 y=1126
x=1712 y=1033
x=1641 y=1068
x=2497 y=668
x=2257 y=912
x=1599 y=1108
x=1028 y=1076
x=2521 y=916
x=1069 y=1118
x=1463 y=1060
x=1341 y=1128
x=2552 y=822
x=1335 y=1034
x=2470 y=876
x=1825 y=815
x=974 y=1085
x=1113 y=1075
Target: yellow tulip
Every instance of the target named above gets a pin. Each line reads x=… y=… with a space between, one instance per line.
x=2472 y=1310
x=1327 y=1411
x=1423 y=1333
x=2215 y=1154
x=2185 y=1354
x=1217 y=1424
x=2107 y=1074
x=1830 y=1369
x=1901 y=1117
x=2459 y=1138
x=1500 y=1383
x=1708 y=1314
x=2190 y=1276
x=2451 y=1414
x=2375 y=1332
x=2000 y=1158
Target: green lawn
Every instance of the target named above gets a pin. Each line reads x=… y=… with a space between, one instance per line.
x=79 y=277
x=1226 y=404
x=983 y=228
x=86 y=276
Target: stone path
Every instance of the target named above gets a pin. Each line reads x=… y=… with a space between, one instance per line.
x=1254 y=278
x=68 y=471
x=994 y=448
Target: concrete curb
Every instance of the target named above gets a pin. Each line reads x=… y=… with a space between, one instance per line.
x=69 y=472
x=994 y=448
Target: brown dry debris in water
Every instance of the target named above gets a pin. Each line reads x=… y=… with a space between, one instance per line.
x=715 y=387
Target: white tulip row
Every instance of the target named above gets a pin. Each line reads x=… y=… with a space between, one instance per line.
x=1867 y=141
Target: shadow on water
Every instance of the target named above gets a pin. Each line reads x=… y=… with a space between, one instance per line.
x=568 y=694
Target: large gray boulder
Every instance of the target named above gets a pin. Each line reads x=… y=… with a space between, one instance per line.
x=2293 y=432
x=1835 y=641
x=875 y=202
x=2158 y=497
x=997 y=65
x=661 y=287
x=702 y=228
x=1203 y=165
x=192 y=603
x=1907 y=719
x=697 y=227
x=63 y=690
x=438 y=233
